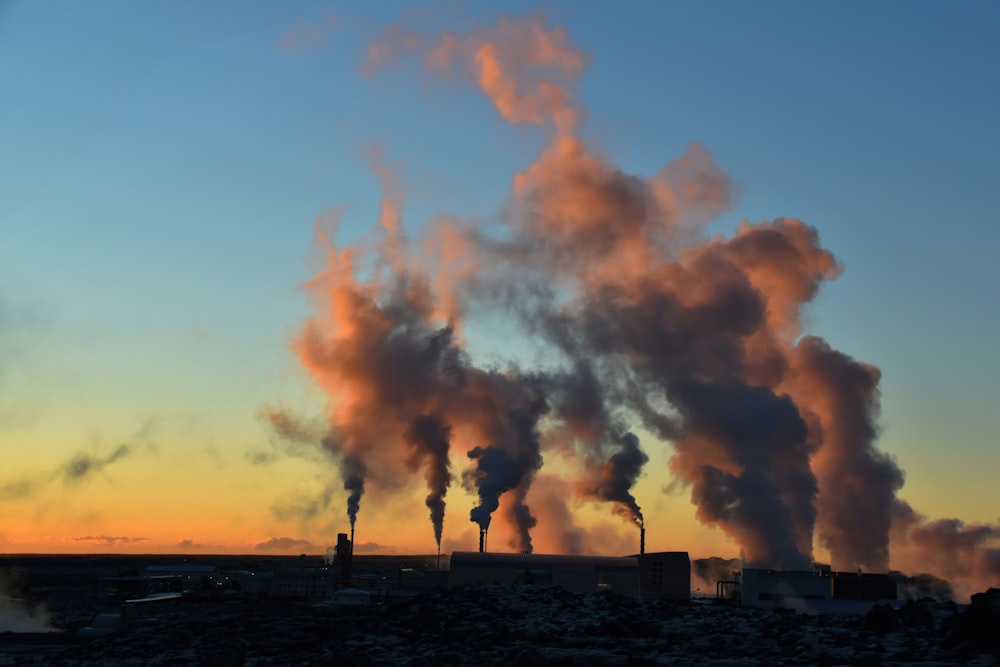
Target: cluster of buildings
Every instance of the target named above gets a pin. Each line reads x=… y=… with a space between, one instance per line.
x=343 y=580
x=818 y=589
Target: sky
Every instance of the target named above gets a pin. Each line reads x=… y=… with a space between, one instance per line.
x=169 y=173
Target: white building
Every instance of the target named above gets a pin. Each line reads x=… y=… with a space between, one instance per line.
x=801 y=590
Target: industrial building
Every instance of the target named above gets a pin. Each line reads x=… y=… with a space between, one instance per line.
x=806 y=590
x=310 y=583
x=584 y=574
x=784 y=589
x=865 y=586
x=665 y=575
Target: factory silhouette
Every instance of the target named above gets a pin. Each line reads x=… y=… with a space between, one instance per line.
x=343 y=579
x=640 y=323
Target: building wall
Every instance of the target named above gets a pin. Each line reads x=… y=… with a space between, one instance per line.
x=585 y=574
x=310 y=583
x=784 y=589
x=863 y=586
x=665 y=575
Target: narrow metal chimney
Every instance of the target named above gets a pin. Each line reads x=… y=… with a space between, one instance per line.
x=642 y=539
x=482 y=540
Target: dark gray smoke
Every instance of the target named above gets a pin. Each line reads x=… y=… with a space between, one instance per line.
x=637 y=317
x=707 y=572
x=430 y=436
x=352 y=471
x=617 y=477
x=520 y=515
x=762 y=489
x=920 y=586
x=84 y=464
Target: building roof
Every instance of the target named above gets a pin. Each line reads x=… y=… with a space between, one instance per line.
x=486 y=558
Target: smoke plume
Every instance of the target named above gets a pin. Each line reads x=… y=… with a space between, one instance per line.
x=617 y=477
x=706 y=573
x=16 y=615
x=966 y=555
x=639 y=320
x=429 y=435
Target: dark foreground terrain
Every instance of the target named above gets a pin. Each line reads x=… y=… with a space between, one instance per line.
x=501 y=625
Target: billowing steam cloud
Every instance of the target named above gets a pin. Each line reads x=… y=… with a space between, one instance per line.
x=617 y=476
x=964 y=554
x=15 y=614
x=643 y=323
x=429 y=435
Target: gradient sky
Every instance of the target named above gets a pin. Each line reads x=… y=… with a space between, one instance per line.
x=162 y=166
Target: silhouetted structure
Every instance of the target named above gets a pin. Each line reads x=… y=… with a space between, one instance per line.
x=344 y=557
x=863 y=586
x=804 y=589
x=784 y=589
x=585 y=574
x=665 y=575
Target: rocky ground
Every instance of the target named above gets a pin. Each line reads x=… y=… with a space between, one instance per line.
x=495 y=625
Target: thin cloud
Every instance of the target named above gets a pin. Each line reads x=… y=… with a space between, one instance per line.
x=305 y=507
x=290 y=436
x=283 y=544
x=190 y=544
x=83 y=464
x=20 y=488
x=307 y=34
x=79 y=467
x=109 y=540
x=372 y=547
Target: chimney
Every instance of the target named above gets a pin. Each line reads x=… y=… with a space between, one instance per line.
x=482 y=540
x=343 y=556
x=642 y=539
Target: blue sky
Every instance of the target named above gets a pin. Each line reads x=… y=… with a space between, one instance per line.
x=161 y=165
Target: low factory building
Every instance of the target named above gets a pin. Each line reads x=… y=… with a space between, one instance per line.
x=584 y=574
x=864 y=586
x=785 y=589
x=350 y=597
x=665 y=575
x=816 y=590
x=302 y=582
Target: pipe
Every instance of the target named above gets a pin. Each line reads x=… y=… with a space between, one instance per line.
x=642 y=540
x=482 y=540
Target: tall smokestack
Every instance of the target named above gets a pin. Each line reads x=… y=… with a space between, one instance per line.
x=642 y=539
x=351 y=546
x=482 y=540
x=343 y=557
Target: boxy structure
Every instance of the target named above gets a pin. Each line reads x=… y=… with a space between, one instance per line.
x=863 y=586
x=818 y=590
x=801 y=590
x=584 y=574
x=665 y=575
x=310 y=583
